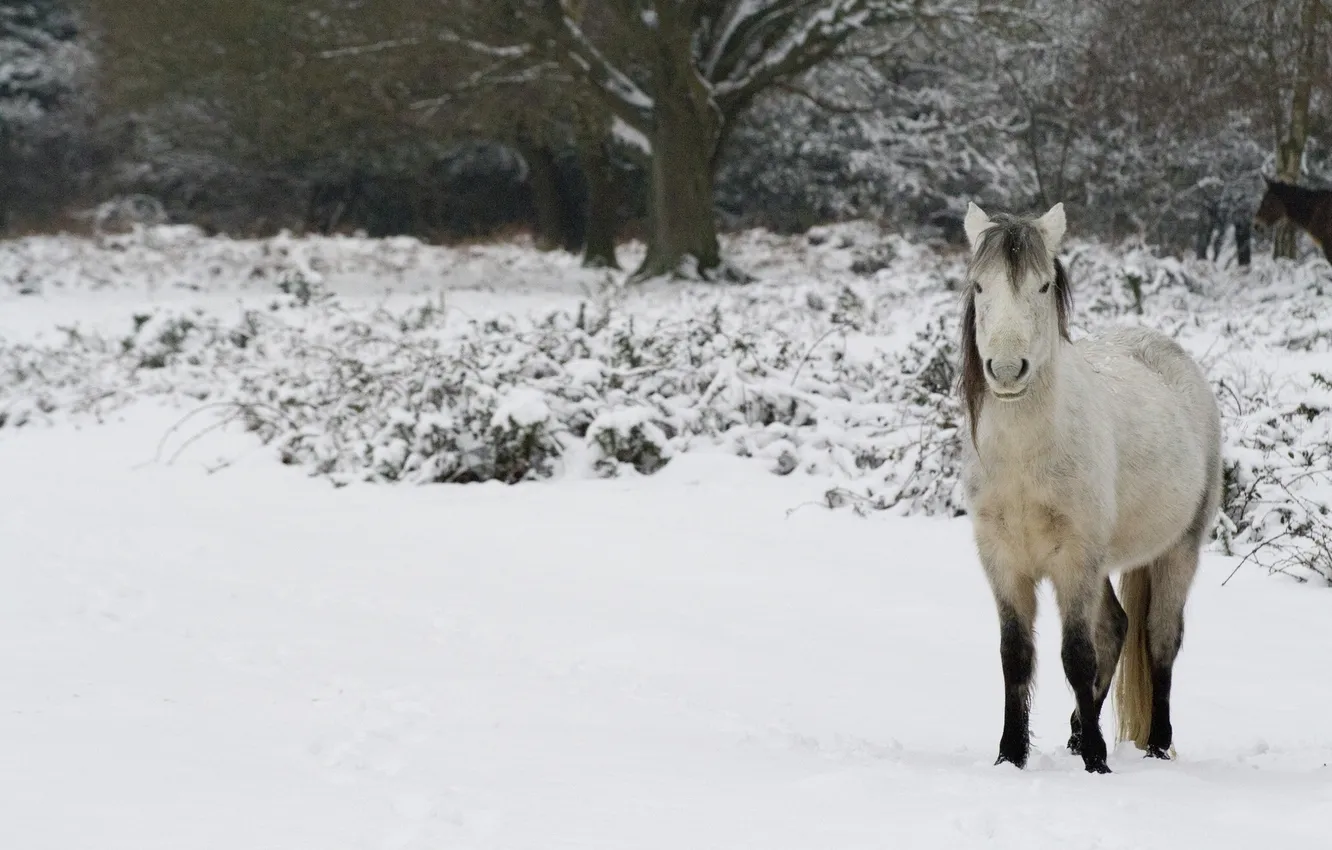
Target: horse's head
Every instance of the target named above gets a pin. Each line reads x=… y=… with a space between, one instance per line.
x=1272 y=209
x=1017 y=303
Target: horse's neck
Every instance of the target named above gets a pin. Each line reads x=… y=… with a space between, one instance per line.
x=1302 y=207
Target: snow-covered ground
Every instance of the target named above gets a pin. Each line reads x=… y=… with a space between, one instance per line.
x=254 y=659
x=204 y=648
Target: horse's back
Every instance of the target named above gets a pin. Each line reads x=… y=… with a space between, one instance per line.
x=1165 y=365
x=1150 y=348
x=1167 y=438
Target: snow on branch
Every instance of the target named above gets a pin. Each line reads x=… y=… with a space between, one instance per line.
x=740 y=17
x=513 y=51
x=631 y=137
x=362 y=49
x=806 y=41
x=824 y=103
x=576 y=51
x=490 y=77
x=516 y=51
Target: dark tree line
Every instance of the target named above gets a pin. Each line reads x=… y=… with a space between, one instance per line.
x=588 y=121
x=44 y=82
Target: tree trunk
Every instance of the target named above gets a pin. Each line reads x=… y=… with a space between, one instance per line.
x=602 y=205
x=543 y=178
x=6 y=168
x=1290 y=150
x=1284 y=234
x=1206 y=227
x=682 y=237
x=682 y=227
x=1242 y=241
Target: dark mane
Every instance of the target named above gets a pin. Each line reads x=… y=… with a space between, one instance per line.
x=1020 y=245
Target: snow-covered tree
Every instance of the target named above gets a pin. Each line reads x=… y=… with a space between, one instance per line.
x=1301 y=27
x=526 y=102
x=1224 y=74
x=907 y=140
x=676 y=75
x=40 y=59
x=301 y=98
x=1061 y=103
x=43 y=63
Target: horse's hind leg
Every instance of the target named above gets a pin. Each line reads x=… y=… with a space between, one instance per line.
x=1108 y=639
x=1171 y=578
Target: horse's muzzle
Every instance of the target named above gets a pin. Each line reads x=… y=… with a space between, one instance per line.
x=1008 y=375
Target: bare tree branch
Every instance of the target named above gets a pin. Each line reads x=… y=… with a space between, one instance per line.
x=576 y=52
x=745 y=24
x=489 y=77
x=363 y=49
x=484 y=49
x=802 y=46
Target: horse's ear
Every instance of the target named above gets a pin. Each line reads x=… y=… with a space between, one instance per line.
x=1052 y=226
x=976 y=223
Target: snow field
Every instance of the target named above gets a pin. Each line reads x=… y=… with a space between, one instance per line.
x=204 y=648
x=252 y=658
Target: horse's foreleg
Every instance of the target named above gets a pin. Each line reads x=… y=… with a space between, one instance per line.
x=1016 y=600
x=1171 y=578
x=1111 y=627
x=1079 y=656
x=1079 y=608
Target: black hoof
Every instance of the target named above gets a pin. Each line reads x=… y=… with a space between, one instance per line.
x=1017 y=761
x=1098 y=767
x=1075 y=744
x=1154 y=752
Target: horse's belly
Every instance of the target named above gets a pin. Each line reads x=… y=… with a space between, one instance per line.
x=1163 y=445
x=1148 y=524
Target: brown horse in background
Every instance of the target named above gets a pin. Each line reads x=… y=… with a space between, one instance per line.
x=1309 y=209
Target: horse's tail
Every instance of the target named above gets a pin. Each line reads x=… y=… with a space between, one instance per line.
x=1133 y=690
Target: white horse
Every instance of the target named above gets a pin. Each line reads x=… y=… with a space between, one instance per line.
x=1082 y=460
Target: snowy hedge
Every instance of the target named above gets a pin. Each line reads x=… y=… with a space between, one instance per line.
x=846 y=373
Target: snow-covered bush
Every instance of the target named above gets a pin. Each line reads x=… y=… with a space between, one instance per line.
x=628 y=437
x=181 y=257
x=824 y=367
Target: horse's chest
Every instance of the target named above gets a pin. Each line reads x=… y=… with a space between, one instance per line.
x=1023 y=525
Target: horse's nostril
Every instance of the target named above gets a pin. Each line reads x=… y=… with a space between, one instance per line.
x=1023 y=366
x=989 y=367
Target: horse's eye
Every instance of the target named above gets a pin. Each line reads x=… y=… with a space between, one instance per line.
x=978 y=287
x=1045 y=289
